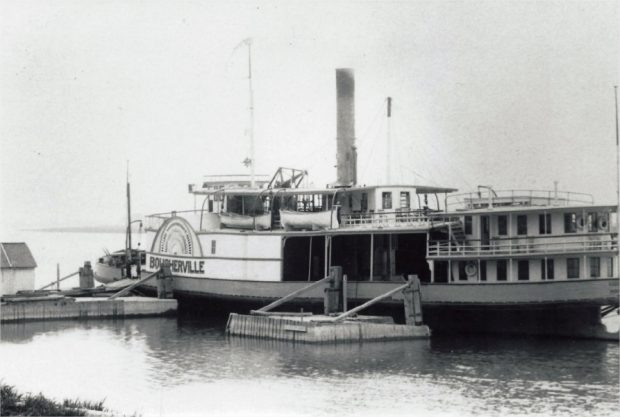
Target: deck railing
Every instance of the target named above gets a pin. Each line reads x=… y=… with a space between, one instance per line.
x=380 y=219
x=394 y=218
x=521 y=247
x=154 y=221
x=482 y=198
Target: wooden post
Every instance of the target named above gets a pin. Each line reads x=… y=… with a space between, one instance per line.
x=413 y=301
x=372 y=255
x=331 y=301
x=164 y=283
x=344 y=293
x=86 y=276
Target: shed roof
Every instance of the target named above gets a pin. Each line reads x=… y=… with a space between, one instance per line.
x=16 y=255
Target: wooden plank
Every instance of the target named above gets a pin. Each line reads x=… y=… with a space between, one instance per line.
x=295 y=328
x=294 y=294
x=132 y=286
x=370 y=303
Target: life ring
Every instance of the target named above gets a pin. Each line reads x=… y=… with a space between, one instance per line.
x=580 y=222
x=602 y=223
x=471 y=269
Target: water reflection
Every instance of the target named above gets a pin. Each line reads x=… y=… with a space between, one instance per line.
x=179 y=362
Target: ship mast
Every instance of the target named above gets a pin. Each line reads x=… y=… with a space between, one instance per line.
x=617 y=175
x=128 y=239
x=252 y=180
x=389 y=141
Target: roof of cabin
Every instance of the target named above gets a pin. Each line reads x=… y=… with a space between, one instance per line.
x=16 y=255
x=529 y=209
x=420 y=189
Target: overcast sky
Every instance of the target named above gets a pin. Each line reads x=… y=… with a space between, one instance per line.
x=509 y=94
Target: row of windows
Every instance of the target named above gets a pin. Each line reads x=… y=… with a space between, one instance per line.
x=386 y=200
x=547 y=269
x=572 y=223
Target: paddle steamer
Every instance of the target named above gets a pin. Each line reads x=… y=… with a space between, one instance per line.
x=538 y=262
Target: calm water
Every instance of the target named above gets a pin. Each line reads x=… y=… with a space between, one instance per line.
x=172 y=367
x=187 y=366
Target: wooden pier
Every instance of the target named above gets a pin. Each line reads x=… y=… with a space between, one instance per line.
x=333 y=326
x=40 y=305
x=55 y=308
x=322 y=329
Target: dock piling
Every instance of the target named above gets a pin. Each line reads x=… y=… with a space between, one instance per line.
x=164 y=283
x=413 y=301
x=87 y=280
x=331 y=300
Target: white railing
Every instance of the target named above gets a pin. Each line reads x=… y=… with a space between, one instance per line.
x=154 y=221
x=483 y=197
x=414 y=218
x=510 y=248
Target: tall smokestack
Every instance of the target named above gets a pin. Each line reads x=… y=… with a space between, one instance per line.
x=346 y=154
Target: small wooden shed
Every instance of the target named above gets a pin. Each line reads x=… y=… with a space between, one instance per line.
x=16 y=268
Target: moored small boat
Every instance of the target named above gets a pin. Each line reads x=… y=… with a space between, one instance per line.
x=310 y=220
x=240 y=221
x=114 y=266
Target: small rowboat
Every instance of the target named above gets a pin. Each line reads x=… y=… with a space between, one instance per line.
x=240 y=221
x=309 y=220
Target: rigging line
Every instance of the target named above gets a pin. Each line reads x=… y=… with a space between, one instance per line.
x=434 y=152
x=454 y=170
x=370 y=154
x=380 y=108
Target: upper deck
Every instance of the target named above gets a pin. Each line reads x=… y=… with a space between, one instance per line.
x=235 y=203
x=488 y=199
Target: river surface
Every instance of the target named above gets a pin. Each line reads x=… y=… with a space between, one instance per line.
x=187 y=366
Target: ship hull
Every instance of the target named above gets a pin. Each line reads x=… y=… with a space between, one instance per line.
x=561 y=308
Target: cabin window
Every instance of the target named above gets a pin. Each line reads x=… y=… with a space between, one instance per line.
x=404 y=200
x=386 y=199
x=502 y=269
x=483 y=270
x=592 y=220
x=462 y=271
x=502 y=225
x=523 y=270
x=364 y=203
x=210 y=206
x=522 y=224
x=544 y=224
x=610 y=267
x=546 y=269
x=213 y=247
x=572 y=267
x=595 y=267
x=570 y=222
x=468 y=225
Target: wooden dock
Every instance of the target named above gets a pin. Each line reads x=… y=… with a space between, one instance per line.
x=76 y=304
x=55 y=308
x=338 y=324
x=322 y=329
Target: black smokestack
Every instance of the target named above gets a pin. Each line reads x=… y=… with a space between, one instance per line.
x=346 y=154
